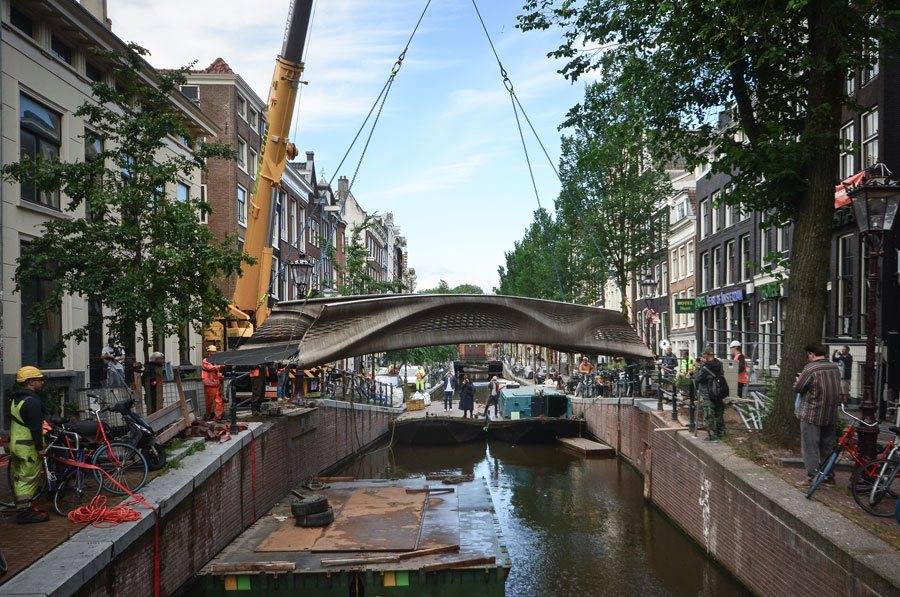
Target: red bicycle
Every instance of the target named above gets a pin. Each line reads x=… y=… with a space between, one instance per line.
x=826 y=467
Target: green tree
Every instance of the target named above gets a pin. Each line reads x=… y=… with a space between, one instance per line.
x=357 y=275
x=139 y=250
x=444 y=288
x=529 y=269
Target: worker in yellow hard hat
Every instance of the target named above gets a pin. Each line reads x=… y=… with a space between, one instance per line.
x=212 y=377
x=26 y=440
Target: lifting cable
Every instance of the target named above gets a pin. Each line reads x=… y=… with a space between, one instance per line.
x=379 y=104
x=514 y=98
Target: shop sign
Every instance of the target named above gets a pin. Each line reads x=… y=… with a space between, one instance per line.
x=771 y=290
x=711 y=300
x=684 y=305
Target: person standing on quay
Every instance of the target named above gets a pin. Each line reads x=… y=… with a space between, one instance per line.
x=449 y=388
x=844 y=362
x=467 y=398
x=211 y=374
x=713 y=410
x=493 y=396
x=737 y=355
x=420 y=379
x=819 y=386
x=26 y=438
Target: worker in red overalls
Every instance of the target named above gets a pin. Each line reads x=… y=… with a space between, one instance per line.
x=212 y=377
x=743 y=377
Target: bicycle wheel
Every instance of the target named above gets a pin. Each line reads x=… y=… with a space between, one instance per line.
x=75 y=490
x=875 y=487
x=823 y=471
x=124 y=464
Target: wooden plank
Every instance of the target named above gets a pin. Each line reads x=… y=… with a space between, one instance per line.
x=459 y=564
x=169 y=433
x=138 y=393
x=671 y=429
x=434 y=490
x=427 y=552
x=166 y=416
x=385 y=559
x=230 y=568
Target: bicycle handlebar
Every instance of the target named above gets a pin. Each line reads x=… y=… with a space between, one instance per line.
x=844 y=410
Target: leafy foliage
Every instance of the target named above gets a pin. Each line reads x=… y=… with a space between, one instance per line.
x=140 y=251
x=357 y=275
x=755 y=88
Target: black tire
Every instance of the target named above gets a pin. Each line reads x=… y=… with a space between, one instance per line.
x=822 y=472
x=312 y=504
x=125 y=464
x=155 y=456
x=875 y=487
x=319 y=519
x=75 y=491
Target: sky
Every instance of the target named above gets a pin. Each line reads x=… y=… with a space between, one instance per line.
x=446 y=157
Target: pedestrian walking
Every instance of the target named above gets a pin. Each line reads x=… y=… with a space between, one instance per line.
x=26 y=438
x=449 y=384
x=467 y=398
x=819 y=387
x=713 y=409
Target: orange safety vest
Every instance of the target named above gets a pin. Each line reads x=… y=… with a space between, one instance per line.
x=742 y=377
x=210 y=374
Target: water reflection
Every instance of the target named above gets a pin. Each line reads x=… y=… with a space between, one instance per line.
x=573 y=526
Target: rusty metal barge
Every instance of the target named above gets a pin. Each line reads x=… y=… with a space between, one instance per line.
x=406 y=537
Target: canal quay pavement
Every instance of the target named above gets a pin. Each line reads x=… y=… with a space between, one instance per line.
x=751 y=518
x=202 y=505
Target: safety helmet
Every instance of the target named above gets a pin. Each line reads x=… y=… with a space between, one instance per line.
x=211 y=348
x=734 y=344
x=28 y=372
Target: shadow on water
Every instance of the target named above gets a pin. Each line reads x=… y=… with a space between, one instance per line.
x=573 y=526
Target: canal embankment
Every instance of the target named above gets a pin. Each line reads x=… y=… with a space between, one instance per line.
x=204 y=504
x=751 y=521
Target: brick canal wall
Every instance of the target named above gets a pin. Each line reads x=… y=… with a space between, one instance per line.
x=205 y=504
x=752 y=522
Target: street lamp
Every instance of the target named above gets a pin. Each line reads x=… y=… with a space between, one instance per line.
x=648 y=285
x=875 y=202
x=300 y=270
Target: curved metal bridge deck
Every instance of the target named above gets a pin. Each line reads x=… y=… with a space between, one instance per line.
x=322 y=330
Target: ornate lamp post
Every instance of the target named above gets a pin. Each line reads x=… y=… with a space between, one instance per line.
x=300 y=270
x=875 y=202
x=648 y=285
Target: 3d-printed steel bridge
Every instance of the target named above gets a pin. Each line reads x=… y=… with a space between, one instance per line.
x=323 y=330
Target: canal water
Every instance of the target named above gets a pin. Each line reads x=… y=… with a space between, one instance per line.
x=573 y=526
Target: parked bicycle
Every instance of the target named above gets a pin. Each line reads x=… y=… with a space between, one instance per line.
x=826 y=467
x=874 y=485
x=139 y=432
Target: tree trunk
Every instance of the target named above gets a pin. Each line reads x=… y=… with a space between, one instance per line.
x=811 y=247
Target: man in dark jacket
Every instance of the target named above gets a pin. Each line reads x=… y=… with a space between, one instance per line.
x=467 y=398
x=713 y=410
x=26 y=438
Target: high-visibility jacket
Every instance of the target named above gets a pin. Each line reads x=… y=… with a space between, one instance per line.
x=26 y=439
x=687 y=365
x=420 y=374
x=258 y=370
x=210 y=373
x=742 y=375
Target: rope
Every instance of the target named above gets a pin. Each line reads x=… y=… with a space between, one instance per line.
x=508 y=84
x=98 y=515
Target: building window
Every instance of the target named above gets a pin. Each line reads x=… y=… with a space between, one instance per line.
x=21 y=22
x=786 y=237
x=204 y=215
x=730 y=265
x=93 y=148
x=714 y=212
x=690 y=316
x=273 y=284
x=870 y=138
x=848 y=166
x=183 y=192
x=301 y=237
x=60 y=49
x=242 y=107
x=717 y=267
x=845 y=295
x=253 y=117
x=292 y=222
x=40 y=135
x=675 y=270
x=682 y=261
x=242 y=154
x=93 y=72
x=745 y=257
x=252 y=163
x=704 y=219
x=242 y=205
x=870 y=72
x=679 y=211
x=850 y=83
x=192 y=92
x=262 y=124
x=690 y=257
x=769 y=242
x=41 y=341
x=704 y=272
x=282 y=207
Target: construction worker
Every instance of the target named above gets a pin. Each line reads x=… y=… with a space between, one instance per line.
x=420 y=378
x=26 y=438
x=215 y=406
x=258 y=378
x=686 y=364
x=737 y=355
